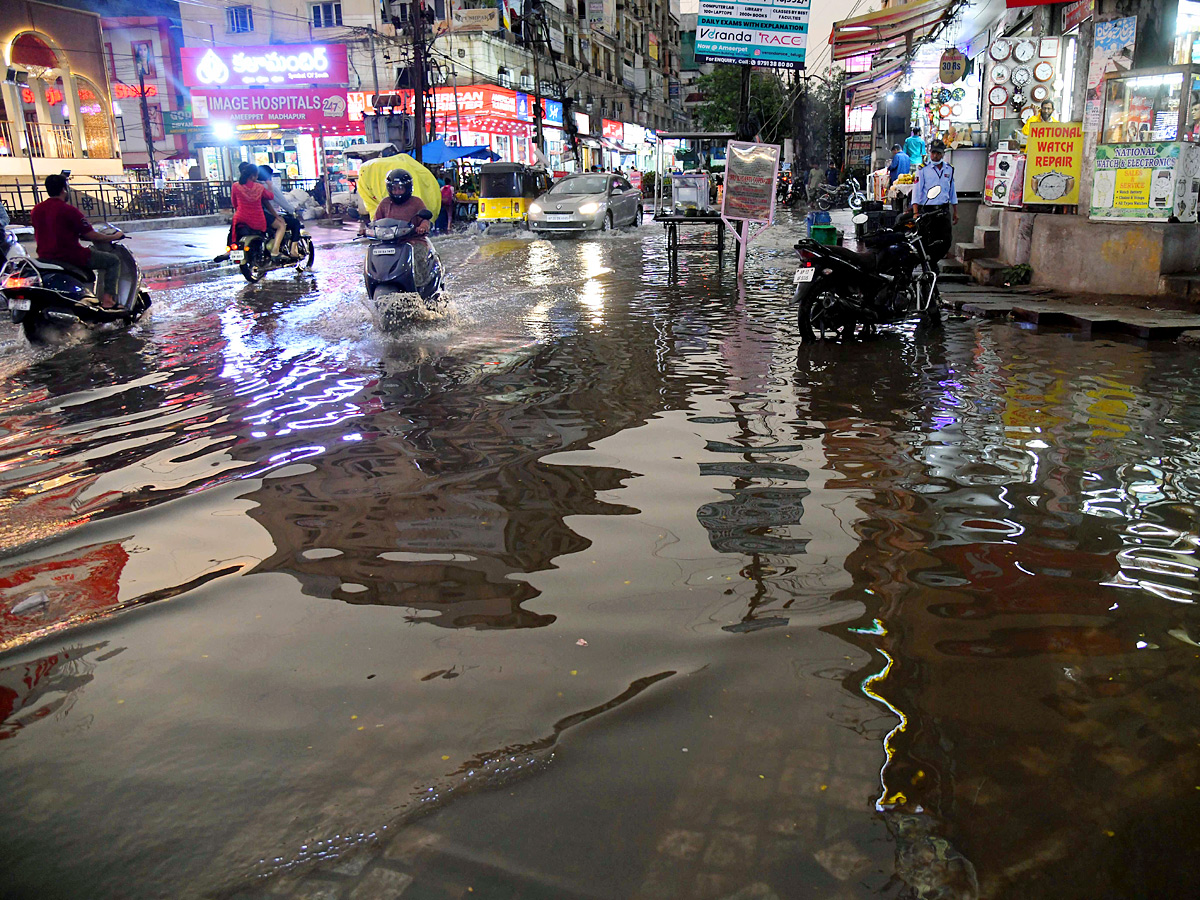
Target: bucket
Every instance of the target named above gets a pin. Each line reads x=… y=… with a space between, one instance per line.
x=824 y=234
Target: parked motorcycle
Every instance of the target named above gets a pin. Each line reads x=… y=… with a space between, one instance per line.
x=838 y=289
x=405 y=280
x=252 y=252
x=849 y=193
x=44 y=297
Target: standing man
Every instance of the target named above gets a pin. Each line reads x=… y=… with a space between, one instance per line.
x=900 y=164
x=832 y=175
x=941 y=174
x=1044 y=114
x=816 y=178
x=57 y=228
x=914 y=146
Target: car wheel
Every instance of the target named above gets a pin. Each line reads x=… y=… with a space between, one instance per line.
x=608 y=222
x=640 y=217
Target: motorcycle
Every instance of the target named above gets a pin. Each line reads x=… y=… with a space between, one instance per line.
x=10 y=244
x=251 y=250
x=405 y=280
x=43 y=296
x=849 y=193
x=837 y=289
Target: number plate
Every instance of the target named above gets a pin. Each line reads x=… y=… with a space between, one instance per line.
x=237 y=255
x=19 y=305
x=384 y=251
x=804 y=275
x=558 y=217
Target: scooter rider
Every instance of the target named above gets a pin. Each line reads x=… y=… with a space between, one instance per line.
x=283 y=205
x=57 y=228
x=401 y=204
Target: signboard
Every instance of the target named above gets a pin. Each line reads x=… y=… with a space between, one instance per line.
x=614 y=131
x=179 y=121
x=475 y=19
x=751 y=171
x=1075 y=14
x=1112 y=51
x=770 y=33
x=281 y=64
x=285 y=107
x=602 y=15
x=552 y=112
x=472 y=100
x=653 y=39
x=953 y=66
x=1146 y=181
x=1053 y=163
x=558 y=40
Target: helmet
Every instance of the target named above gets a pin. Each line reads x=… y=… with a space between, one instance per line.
x=399 y=184
x=937 y=146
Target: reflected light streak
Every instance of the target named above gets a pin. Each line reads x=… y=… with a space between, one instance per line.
x=885 y=802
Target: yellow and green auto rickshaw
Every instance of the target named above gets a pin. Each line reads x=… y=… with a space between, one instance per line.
x=506 y=190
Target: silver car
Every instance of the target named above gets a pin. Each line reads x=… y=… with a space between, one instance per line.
x=587 y=202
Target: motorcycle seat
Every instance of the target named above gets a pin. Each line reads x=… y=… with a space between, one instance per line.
x=87 y=276
x=868 y=259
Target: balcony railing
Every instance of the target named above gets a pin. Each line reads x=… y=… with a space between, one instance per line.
x=48 y=141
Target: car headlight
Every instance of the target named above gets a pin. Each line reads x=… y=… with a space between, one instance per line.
x=535 y=209
x=588 y=208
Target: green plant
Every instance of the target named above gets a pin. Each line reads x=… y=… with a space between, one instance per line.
x=1015 y=275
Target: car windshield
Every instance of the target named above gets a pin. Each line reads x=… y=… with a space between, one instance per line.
x=585 y=184
x=500 y=184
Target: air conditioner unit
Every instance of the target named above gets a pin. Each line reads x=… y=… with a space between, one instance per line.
x=527 y=82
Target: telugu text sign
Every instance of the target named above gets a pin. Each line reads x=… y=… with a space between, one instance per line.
x=771 y=33
x=285 y=107
x=279 y=64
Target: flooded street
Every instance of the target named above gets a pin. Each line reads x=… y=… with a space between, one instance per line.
x=602 y=587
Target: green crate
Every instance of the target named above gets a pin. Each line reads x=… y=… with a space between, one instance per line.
x=824 y=234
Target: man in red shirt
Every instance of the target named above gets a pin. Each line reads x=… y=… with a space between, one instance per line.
x=58 y=226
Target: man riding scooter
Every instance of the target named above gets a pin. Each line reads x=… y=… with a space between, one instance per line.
x=57 y=228
x=401 y=204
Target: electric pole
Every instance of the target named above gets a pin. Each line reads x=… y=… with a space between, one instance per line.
x=143 y=63
x=374 y=68
x=744 y=129
x=418 y=75
x=535 y=19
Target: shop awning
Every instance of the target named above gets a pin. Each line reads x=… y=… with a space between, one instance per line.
x=610 y=144
x=590 y=142
x=887 y=29
x=866 y=87
x=437 y=153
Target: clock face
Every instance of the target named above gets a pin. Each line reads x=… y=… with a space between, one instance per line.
x=1026 y=114
x=1025 y=51
x=1043 y=71
x=1000 y=50
x=998 y=96
x=1021 y=76
x=1000 y=73
x=1039 y=93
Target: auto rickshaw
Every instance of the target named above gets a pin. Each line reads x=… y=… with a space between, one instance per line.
x=506 y=190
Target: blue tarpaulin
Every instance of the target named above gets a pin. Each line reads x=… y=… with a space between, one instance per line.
x=437 y=153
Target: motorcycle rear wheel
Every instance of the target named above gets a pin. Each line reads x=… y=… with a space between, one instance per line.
x=819 y=311
x=824 y=203
x=307 y=252
x=258 y=261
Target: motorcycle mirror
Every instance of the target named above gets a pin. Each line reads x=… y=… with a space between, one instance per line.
x=425 y=214
x=860 y=219
x=934 y=192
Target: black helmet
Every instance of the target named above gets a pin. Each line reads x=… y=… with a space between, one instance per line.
x=937 y=146
x=399 y=185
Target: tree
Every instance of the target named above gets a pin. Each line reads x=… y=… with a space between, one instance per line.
x=722 y=92
x=818 y=121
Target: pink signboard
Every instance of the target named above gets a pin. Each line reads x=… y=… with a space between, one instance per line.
x=279 y=64
x=285 y=107
x=614 y=131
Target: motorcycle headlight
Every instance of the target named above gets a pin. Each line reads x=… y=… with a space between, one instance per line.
x=535 y=209
x=589 y=208
x=386 y=233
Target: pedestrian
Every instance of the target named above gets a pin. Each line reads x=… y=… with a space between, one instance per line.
x=832 y=175
x=937 y=174
x=816 y=178
x=248 y=195
x=900 y=164
x=914 y=146
x=446 y=215
x=318 y=191
x=57 y=228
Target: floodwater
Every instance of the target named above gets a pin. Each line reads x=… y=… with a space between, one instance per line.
x=603 y=587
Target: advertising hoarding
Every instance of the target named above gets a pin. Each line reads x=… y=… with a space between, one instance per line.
x=286 y=107
x=1053 y=163
x=1152 y=182
x=281 y=64
x=770 y=33
x=750 y=174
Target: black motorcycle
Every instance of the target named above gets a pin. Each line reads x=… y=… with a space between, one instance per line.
x=251 y=250
x=835 y=196
x=838 y=289
x=404 y=277
x=46 y=297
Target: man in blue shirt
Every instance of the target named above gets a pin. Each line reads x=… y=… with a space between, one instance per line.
x=900 y=164
x=940 y=173
x=915 y=147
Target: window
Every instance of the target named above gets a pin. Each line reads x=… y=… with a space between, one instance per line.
x=239 y=20
x=326 y=15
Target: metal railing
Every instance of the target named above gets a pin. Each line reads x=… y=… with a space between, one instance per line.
x=102 y=202
x=41 y=141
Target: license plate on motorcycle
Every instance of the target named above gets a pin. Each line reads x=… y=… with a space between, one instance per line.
x=19 y=305
x=384 y=251
x=237 y=255
x=804 y=275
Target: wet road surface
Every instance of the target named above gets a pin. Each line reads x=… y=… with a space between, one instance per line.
x=602 y=587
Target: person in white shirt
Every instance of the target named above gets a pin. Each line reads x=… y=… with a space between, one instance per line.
x=940 y=173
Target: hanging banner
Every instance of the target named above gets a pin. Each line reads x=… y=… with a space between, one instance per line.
x=1053 y=163
x=952 y=67
x=751 y=171
x=1112 y=52
x=1075 y=14
x=767 y=33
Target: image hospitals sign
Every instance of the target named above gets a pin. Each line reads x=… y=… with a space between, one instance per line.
x=287 y=107
x=280 y=64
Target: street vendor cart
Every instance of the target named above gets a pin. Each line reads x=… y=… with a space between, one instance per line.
x=683 y=196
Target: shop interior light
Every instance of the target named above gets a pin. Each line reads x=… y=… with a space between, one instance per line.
x=222 y=131
x=116 y=108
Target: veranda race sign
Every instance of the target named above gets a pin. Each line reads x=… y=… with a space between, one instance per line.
x=768 y=33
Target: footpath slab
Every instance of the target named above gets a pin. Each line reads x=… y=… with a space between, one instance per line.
x=1047 y=310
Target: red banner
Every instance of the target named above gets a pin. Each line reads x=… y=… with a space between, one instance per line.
x=614 y=131
x=1017 y=4
x=285 y=107
x=1076 y=13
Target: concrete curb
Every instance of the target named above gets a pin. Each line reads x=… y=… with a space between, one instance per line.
x=176 y=270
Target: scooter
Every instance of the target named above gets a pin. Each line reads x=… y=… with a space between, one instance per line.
x=404 y=278
x=10 y=243
x=43 y=297
x=251 y=250
x=838 y=289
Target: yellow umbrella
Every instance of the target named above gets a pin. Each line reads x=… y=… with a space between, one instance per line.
x=372 y=182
